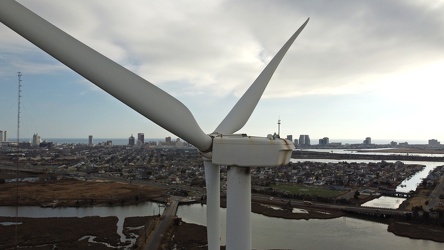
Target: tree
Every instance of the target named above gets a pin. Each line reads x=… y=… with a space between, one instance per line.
x=356 y=195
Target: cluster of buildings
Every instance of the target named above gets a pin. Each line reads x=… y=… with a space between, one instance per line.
x=304 y=141
x=434 y=143
x=183 y=165
x=140 y=140
x=396 y=144
x=168 y=142
x=381 y=175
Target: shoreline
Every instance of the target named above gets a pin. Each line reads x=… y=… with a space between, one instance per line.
x=403 y=150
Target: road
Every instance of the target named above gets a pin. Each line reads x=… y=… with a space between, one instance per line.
x=349 y=208
x=154 y=240
x=434 y=196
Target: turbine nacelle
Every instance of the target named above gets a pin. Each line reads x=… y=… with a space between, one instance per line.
x=251 y=151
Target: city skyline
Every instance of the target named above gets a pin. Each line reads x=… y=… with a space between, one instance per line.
x=131 y=140
x=359 y=69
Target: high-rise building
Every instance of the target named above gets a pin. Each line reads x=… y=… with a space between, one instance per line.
x=90 y=140
x=290 y=137
x=307 y=140
x=324 y=141
x=36 y=140
x=304 y=140
x=367 y=141
x=131 y=140
x=3 y=137
x=434 y=143
x=168 y=140
x=140 y=139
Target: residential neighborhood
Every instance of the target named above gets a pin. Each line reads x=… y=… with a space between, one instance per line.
x=172 y=165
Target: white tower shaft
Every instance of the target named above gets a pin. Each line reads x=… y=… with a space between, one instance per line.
x=212 y=179
x=238 y=208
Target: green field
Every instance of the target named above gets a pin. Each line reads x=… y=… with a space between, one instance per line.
x=307 y=190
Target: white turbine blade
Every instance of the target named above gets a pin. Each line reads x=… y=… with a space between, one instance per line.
x=243 y=109
x=142 y=96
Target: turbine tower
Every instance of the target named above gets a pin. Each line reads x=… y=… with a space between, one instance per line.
x=222 y=147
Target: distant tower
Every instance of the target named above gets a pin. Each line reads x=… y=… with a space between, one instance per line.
x=90 y=140
x=279 y=127
x=367 y=141
x=168 y=140
x=131 y=140
x=324 y=141
x=36 y=140
x=290 y=137
x=3 y=135
x=140 y=139
x=307 y=140
x=302 y=140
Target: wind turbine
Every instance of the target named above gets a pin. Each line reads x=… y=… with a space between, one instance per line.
x=222 y=147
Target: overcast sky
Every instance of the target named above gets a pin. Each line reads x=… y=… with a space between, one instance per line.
x=359 y=69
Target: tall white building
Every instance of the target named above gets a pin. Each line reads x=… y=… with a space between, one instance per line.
x=304 y=140
x=3 y=137
x=36 y=140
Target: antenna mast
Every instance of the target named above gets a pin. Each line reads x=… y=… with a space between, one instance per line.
x=17 y=155
x=18 y=106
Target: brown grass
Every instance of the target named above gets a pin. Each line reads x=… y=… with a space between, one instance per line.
x=74 y=192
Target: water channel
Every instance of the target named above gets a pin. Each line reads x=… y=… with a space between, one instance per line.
x=339 y=233
x=406 y=186
x=121 y=212
x=275 y=233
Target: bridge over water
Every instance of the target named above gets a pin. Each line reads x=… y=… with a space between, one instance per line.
x=377 y=212
x=393 y=193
